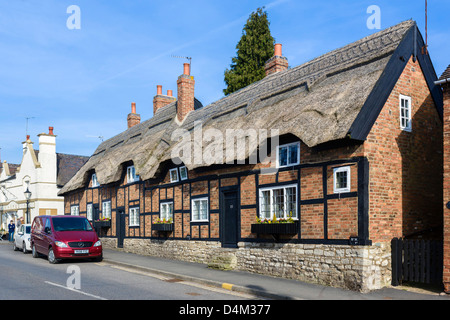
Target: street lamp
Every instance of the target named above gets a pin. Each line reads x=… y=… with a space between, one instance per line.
x=28 y=196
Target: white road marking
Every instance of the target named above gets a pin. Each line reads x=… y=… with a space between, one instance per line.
x=75 y=290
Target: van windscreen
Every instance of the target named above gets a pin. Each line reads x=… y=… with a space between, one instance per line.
x=71 y=224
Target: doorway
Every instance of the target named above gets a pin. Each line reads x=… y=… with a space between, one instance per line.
x=229 y=212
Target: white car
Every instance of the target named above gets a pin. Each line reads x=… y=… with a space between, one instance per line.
x=22 y=238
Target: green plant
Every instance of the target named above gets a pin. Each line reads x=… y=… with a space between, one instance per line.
x=164 y=221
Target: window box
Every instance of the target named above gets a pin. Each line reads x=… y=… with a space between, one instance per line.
x=276 y=228
x=102 y=224
x=163 y=227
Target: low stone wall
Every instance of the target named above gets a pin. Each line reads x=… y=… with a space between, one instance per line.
x=351 y=267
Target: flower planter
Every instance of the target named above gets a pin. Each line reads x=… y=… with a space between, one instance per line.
x=103 y=224
x=275 y=228
x=163 y=227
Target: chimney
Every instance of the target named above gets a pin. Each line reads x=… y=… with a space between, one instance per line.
x=133 y=118
x=277 y=63
x=186 y=84
x=47 y=156
x=161 y=100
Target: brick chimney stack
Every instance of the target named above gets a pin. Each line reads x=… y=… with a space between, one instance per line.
x=133 y=118
x=186 y=84
x=161 y=100
x=277 y=63
x=444 y=82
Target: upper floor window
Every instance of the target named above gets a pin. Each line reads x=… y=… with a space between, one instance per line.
x=405 y=113
x=166 y=211
x=183 y=173
x=173 y=175
x=341 y=179
x=95 y=181
x=288 y=155
x=131 y=175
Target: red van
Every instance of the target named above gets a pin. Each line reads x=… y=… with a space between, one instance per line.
x=64 y=237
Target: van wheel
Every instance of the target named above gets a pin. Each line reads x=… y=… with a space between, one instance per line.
x=34 y=253
x=51 y=256
x=24 y=247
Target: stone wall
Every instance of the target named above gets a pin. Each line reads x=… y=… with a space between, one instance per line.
x=350 y=267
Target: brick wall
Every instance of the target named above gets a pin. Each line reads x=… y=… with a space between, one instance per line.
x=405 y=167
x=446 y=187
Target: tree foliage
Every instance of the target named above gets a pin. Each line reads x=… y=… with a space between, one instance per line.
x=253 y=50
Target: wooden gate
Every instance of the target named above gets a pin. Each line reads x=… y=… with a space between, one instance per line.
x=416 y=261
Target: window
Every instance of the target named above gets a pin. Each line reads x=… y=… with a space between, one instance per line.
x=280 y=201
x=341 y=179
x=89 y=211
x=183 y=173
x=106 y=209
x=288 y=155
x=173 y=175
x=75 y=210
x=166 y=211
x=131 y=175
x=405 y=113
x=134 y=217
x=200 y=209
x=95 y=181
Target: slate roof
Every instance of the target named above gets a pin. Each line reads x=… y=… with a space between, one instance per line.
x=318 y=101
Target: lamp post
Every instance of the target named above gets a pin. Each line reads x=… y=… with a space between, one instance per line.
x=28 y=196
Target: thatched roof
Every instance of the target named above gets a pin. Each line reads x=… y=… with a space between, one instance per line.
x=317 y=101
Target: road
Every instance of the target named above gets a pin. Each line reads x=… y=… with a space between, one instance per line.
x=24 y=278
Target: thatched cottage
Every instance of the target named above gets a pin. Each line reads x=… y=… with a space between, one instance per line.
x=329 y=161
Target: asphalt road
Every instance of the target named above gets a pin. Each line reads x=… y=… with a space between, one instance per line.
x=24 y=278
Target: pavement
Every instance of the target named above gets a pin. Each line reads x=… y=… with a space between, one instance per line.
x=256 y=284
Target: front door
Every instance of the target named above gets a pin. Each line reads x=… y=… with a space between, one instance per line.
x=230 y=214
x=120 y=227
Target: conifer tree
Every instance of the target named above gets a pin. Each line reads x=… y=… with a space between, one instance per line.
x=253 y=50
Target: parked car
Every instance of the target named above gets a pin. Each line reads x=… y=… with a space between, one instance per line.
x=22 y=238
x=64 y=237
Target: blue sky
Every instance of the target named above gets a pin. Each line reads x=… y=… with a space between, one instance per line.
x=82 y=81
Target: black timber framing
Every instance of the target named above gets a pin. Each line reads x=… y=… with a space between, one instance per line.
x=147 y=209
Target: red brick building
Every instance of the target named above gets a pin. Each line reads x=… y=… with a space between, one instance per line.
x=356 y=160
x=444 y=82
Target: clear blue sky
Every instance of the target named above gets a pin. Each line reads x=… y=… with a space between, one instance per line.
x=82 y=82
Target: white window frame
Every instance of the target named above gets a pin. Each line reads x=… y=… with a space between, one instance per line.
x=289 y=164
x=164 y=214
x=183 y=169
x=134 y=217
x=335 y=180
x=271 y=204
x=106 y=209
x=75 y=210
x=199 y=214
x=90 y=211
x=95 y=183
x=407 y=128
x=170 y=175
x=131 y=175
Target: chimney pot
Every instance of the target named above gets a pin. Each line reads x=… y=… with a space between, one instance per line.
x=133 y=118
x=170 y=93
x=50 y=131
x=278 y=49
x=187 y=69
x=133 y=107
x=28 y=137
x=159 y=90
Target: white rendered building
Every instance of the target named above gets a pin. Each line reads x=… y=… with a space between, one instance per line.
x=43 y=172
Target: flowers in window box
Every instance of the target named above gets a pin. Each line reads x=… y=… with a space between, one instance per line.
x=164 y=221
x=274 y=220
x=103 y=219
